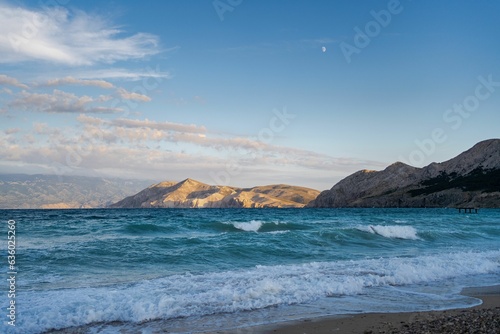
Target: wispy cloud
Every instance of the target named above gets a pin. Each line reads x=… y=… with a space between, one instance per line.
x=142 y=124
x=249 y=151
x=124 y=94
x=58 y=102
x=80 y=82
x=121 y=92
x=124 y=74
x=9 y=81
x=59 y=36
x=6 y=90
x=35 y=98
x=12 y=131
x=141 y=147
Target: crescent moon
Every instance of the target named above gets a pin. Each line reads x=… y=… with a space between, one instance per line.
x=323 y=49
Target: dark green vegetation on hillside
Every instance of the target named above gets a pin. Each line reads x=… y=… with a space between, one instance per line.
x=478 y=180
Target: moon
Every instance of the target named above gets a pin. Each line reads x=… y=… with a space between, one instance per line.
x=323 y=48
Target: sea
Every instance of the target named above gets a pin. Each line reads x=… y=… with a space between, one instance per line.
x=209 y=270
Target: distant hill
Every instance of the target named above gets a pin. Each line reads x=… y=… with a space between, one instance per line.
x=21 y=191
x=471 y=179
x=193 y=194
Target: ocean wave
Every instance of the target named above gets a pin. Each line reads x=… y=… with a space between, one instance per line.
x=251 y=226
x=232 y=291
x=391 y=231
x=145 y=228
x=279 y=232
x=258 y=225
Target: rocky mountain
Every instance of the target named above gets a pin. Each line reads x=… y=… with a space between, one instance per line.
x=193 y=194
x=22 y=191
x=472 y=179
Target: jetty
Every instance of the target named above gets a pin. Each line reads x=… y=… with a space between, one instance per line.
x=467 y=210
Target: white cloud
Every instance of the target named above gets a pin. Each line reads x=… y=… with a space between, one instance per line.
x=121 y=92
x=248 y=151
x=58 y=36
x=58 y=102
x=63 y=102
x=9 y=81
x=124 y=94
x=80 y=82
x=41 y=128
x=139 y=133
x=6 y=91
x=125 y=74
x=84 y=119
x=104 y=98
x=164 y=126
x=12 y=131
x=164 y=150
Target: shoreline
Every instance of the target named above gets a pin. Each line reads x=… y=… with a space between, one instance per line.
x=485 y=318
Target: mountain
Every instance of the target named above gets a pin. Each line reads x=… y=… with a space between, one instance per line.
x=22 y=191
x=193 y=194
x=472 y=179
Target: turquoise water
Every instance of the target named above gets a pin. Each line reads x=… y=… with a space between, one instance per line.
x=202 y=270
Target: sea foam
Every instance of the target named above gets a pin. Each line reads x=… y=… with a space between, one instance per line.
x=392 y=231
x=253 y=225
x=231 y=291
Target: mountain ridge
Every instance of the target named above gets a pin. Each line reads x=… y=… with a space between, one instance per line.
x=190 y=193
x=42 y=191
x=472 y=178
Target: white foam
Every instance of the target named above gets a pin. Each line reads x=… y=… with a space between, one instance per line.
x=221 y=292
x=279 y=232
x=392 y=231
x=251 y=226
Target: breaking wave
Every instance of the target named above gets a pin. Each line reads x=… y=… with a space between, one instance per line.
x=393 y=232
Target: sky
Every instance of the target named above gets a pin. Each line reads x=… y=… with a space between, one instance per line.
x=241 y=92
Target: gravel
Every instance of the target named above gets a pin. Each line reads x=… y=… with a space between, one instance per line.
x=477 y=321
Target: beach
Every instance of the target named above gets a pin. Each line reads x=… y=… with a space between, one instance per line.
x=484 y=318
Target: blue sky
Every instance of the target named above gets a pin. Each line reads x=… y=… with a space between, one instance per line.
x=244 y=92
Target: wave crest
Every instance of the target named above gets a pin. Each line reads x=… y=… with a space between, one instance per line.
x=184 y=295
x=392 y=231
x=251 y=226
x=257 y=226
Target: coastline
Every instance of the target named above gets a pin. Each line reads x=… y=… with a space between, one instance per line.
x=485 y=318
